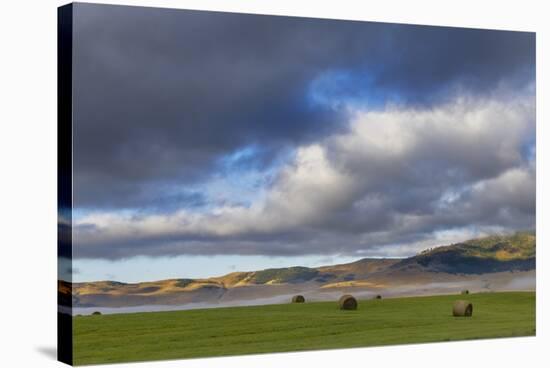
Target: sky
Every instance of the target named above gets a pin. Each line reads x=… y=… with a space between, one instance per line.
x=206 y=143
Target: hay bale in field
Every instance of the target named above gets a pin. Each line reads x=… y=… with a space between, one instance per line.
x=378 y=297
x=298 y=299
x=462 y=308
x=96 y=313
x=347 y=302
x=465 y=292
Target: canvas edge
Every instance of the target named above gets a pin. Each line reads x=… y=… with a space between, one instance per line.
x=64 y=183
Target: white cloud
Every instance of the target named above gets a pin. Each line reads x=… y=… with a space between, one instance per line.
x=398 y=176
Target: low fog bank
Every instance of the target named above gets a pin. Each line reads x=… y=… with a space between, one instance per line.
x=524 y=281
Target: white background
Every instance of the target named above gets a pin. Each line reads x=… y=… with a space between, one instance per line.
x=28 y=181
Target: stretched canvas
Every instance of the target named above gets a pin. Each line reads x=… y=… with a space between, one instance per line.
x=240 y=184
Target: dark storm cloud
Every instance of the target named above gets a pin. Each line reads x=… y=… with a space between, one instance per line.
x=401 y=175
x=161 y=95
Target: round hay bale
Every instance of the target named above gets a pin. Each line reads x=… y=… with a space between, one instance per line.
x=96 y=313
x=347 y=302
x=465 y=292
x=298 y=299
x=462 y=308
x=378 y=297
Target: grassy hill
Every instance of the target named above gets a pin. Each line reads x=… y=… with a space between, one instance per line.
x=284 y=275
x=515 y=252
x=297 y=327
x=492 y=254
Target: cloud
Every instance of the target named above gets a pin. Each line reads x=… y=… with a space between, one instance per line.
x=161 y=96
x=401 y=175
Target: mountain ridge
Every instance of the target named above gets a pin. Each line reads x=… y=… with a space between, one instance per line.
x=487 y=255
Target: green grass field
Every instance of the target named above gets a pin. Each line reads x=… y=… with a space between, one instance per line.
x=295 y=327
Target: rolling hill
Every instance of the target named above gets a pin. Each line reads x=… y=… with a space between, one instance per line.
x=490 y=262
x=491 y=254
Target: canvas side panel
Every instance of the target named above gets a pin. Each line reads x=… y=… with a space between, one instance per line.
x=64 y=183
